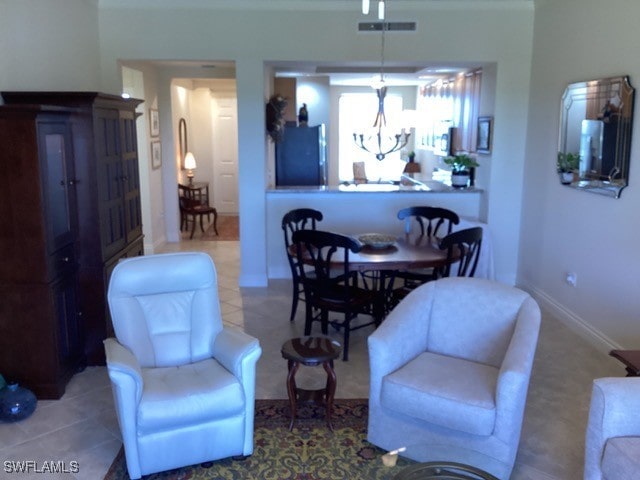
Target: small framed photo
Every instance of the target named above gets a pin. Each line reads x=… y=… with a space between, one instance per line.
x=485 y=133
x=154 y=122
x=156 y=155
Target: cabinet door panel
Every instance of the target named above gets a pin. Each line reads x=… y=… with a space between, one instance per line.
x=65 y=292
x=131 y=180
x=58 y=184
x=110 y=181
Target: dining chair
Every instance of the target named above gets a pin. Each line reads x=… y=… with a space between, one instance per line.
x=330 y=285
x=435 y=222
x=430 y=219
x=192 y=208
x=292 y=221
x=464 y=245
x=463 y=251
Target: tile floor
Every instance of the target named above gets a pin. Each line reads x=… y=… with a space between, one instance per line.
x=81 y=427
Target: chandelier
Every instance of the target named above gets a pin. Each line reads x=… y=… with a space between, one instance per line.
x=380 y=142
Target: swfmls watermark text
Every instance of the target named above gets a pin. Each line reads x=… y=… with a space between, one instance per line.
x=47 y=466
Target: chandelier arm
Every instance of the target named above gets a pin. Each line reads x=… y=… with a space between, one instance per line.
x=402 y=138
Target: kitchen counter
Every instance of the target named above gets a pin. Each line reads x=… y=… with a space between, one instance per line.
x=423 y=187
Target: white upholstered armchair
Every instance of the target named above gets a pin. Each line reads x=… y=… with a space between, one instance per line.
x=184 y=386
x=613 y=432
x=450 y=369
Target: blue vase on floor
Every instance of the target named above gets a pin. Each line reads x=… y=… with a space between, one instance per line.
x=16 y=403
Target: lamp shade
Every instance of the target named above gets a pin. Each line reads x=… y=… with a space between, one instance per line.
x=189 y=161
x=412 y=167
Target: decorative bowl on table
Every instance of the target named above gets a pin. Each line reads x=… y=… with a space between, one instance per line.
x=377 y=240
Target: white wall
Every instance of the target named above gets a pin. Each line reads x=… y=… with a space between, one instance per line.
x=564 y=230
x=314 y=91
x=153 y=224
x=47 y=45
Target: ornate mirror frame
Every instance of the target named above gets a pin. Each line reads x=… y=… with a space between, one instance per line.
x=596 y=122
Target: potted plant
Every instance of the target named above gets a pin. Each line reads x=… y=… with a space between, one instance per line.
x=461 y=165
x=566 y=165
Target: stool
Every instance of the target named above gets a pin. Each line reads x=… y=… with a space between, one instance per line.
x=311 y=352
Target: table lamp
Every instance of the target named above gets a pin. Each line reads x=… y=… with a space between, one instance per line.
x=190 y=165
x=411 y=168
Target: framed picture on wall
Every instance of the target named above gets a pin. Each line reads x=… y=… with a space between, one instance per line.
x=154 y=122
x=156 y=155
x=484 y=134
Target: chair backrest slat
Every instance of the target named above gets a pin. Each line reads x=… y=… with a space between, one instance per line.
x=466 y=244
x=431 y=219
x=299 y=219
x=323 y=251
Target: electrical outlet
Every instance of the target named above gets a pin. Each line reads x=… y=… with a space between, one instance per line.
x=572 y=279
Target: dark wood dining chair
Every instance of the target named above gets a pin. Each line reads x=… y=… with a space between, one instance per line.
x=292 y=221
x=464 y=245
x=330 y=285
x=192 y=208
x=463 y=251
x=433 y=222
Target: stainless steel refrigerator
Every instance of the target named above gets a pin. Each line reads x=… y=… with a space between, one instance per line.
x=301 y=156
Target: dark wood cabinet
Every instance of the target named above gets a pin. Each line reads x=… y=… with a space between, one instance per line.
x=40 y=325
x=91 y=223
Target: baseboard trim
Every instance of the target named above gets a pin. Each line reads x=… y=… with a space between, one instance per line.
x=253 y=280
x=571 y=320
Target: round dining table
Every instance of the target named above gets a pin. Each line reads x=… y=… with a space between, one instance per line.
x=410 y=251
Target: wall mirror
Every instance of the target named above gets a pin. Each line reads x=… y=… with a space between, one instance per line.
x=596 y=122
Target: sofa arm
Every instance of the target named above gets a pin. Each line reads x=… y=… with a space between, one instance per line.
x=615 y=402
x=124 y=369
x=515 y=372
x=237 y=352
x=126 y=385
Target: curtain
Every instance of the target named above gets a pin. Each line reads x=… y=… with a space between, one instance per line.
x=454 y=102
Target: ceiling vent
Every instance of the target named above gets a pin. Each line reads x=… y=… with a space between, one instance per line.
x=391 y=26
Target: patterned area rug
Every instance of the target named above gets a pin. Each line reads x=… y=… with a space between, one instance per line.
x=309 y=452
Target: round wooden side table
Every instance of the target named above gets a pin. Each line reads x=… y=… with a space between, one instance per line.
x=311 y=352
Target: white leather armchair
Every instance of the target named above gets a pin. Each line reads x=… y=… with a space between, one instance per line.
x=450 y=370
x=612 y=449
x=184 y=385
